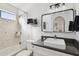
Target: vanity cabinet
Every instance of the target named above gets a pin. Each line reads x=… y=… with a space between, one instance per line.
x=41 y=51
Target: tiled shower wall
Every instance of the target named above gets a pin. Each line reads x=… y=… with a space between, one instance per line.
x=8 y=29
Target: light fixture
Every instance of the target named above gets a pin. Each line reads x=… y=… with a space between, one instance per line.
x=57 y=5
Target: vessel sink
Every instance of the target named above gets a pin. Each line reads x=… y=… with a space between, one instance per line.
x=55 y=43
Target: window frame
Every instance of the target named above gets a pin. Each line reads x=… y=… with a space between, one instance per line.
x=8 y=12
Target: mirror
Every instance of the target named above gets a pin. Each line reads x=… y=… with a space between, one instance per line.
x=57 y=21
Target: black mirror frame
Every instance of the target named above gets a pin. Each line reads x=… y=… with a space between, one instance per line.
x=74 y=14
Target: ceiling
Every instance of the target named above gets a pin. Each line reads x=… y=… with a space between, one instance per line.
x=33 y=9
x=28 y=6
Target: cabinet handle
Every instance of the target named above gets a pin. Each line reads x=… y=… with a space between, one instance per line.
x=44 y=25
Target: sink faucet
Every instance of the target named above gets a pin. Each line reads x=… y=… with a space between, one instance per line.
x=55 y=36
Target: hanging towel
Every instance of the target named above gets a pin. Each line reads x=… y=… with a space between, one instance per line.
x=71 y=26
x=76 y=23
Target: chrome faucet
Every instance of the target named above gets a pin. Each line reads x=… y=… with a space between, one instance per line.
x=55 y=36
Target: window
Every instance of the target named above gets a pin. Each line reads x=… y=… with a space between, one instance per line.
x=7 y=15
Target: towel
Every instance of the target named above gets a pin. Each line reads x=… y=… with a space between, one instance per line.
x=76 y=23
x=71 y=26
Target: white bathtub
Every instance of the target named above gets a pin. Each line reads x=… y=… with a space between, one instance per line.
x=10 y=50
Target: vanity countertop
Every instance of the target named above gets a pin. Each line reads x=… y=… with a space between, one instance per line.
x=70 y=48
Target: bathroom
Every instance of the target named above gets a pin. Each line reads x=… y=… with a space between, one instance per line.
x=30 y=28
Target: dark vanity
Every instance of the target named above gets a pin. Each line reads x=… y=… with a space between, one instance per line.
x=71 y=45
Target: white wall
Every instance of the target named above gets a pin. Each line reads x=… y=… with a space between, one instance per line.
x=35 y=12
x=41 y=9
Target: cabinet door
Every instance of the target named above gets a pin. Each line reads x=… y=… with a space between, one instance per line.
x=47 y=52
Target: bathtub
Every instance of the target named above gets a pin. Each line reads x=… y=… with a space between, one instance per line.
x=11 y=51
